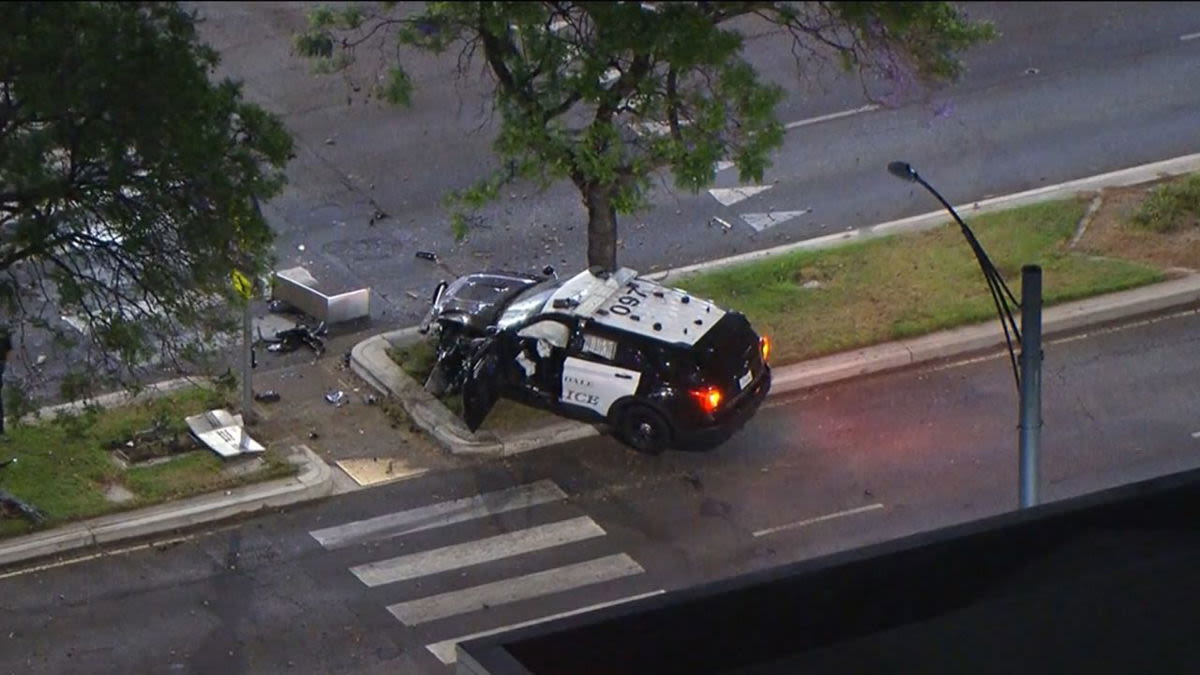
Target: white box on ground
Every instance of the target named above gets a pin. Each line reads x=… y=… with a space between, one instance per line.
x=299 y=288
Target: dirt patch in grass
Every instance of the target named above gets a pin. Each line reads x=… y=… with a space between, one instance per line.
x=1110 y=232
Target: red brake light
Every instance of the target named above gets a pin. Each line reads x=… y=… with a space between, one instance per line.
x=764 y=345
x=709 y=398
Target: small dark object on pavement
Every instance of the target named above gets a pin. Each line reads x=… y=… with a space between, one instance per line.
x=291 y=339
x=371 y=399
x=427 y=255
x=281 y=307
x=268 y=396
x=312 y=434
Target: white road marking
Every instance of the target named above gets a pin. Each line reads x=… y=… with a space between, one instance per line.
x=819 y=519
x=446 y=653
x=761 y=221
x=505 y=591
x=729 y=196
x=438 y=515
x=475 y=552
x=1189 y=36
x=831 y=116
x=103 y=554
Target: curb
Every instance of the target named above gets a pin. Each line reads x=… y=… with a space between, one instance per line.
x=314 y=481
x=370 y=361
x=369 y=358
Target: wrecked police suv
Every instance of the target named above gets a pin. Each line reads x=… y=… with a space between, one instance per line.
x=662 y=368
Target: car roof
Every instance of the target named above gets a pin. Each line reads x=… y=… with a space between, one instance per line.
x=662 y=313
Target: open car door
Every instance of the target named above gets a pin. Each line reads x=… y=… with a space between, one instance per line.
x=481 y=388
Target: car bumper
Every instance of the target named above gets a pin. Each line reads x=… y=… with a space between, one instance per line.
x=705 y=437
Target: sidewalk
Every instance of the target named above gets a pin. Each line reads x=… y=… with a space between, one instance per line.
x=369 y=360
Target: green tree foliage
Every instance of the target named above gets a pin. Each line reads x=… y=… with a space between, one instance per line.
x=605 y=93
x=128 y=179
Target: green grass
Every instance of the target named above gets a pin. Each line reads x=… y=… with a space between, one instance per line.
x=64 y=469
x=1169 y=206
x=910 y=284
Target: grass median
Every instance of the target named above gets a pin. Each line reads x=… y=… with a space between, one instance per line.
x=67 y=467
x=818 y=302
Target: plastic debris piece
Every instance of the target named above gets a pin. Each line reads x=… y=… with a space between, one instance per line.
x=280 y=307
x=337 y=397
x=372 y=399
x=312 y=434
x=427 y=255
x=268 y=396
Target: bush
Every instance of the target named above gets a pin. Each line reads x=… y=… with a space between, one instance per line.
x=1170 y=207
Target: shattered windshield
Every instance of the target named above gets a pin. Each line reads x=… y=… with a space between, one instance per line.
x=528 y=304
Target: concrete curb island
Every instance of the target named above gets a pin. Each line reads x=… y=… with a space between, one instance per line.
x=370 y=361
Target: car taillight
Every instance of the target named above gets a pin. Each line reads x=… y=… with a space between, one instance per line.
x=709 y=398
x=764 y=346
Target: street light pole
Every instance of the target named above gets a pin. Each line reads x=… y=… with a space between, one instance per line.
x=1029 y=377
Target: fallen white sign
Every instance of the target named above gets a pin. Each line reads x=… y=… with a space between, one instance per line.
x=223 y=433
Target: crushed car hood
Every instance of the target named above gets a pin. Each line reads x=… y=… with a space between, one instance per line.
x=476 y=300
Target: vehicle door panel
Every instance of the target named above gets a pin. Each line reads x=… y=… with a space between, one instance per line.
x=482 y=386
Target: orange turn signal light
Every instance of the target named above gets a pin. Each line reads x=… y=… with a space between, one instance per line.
x=709 y=398
x=764 y=346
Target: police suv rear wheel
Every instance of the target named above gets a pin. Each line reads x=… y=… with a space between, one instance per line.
x=643 y=429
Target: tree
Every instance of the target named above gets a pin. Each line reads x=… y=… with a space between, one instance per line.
x=128 y=179
x=605 y=93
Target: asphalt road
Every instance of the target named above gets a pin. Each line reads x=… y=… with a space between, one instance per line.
x=832 y=468
x=1069 y=90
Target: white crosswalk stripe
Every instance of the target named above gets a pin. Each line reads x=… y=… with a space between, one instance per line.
x=438 y=515
x=478 y=551
x=524 y=587
x=519 y=556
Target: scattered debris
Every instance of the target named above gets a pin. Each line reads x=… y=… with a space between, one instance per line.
x=300 y=247
x=313 y=435
x=371 y=399
x=377 y=216
x=427 y=255
x=330 y=141
x=722 y=222
x=268 y=396
x=336 y=397
x=281 y=307
x=41 y=359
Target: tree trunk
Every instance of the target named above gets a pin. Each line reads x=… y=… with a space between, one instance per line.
x=602 y=226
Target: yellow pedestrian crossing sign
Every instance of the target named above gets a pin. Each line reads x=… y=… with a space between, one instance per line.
x=242 y=284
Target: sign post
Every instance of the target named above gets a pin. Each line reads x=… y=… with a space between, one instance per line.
x=245 y=288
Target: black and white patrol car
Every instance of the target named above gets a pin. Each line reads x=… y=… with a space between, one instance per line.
x=662 y=368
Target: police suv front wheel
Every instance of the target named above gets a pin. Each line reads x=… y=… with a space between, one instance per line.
x=642 y=429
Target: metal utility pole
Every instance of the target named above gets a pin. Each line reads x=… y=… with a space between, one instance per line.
x=1028 y=336
x=1031 y=381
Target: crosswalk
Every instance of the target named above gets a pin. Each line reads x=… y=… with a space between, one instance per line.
x=551 y=561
